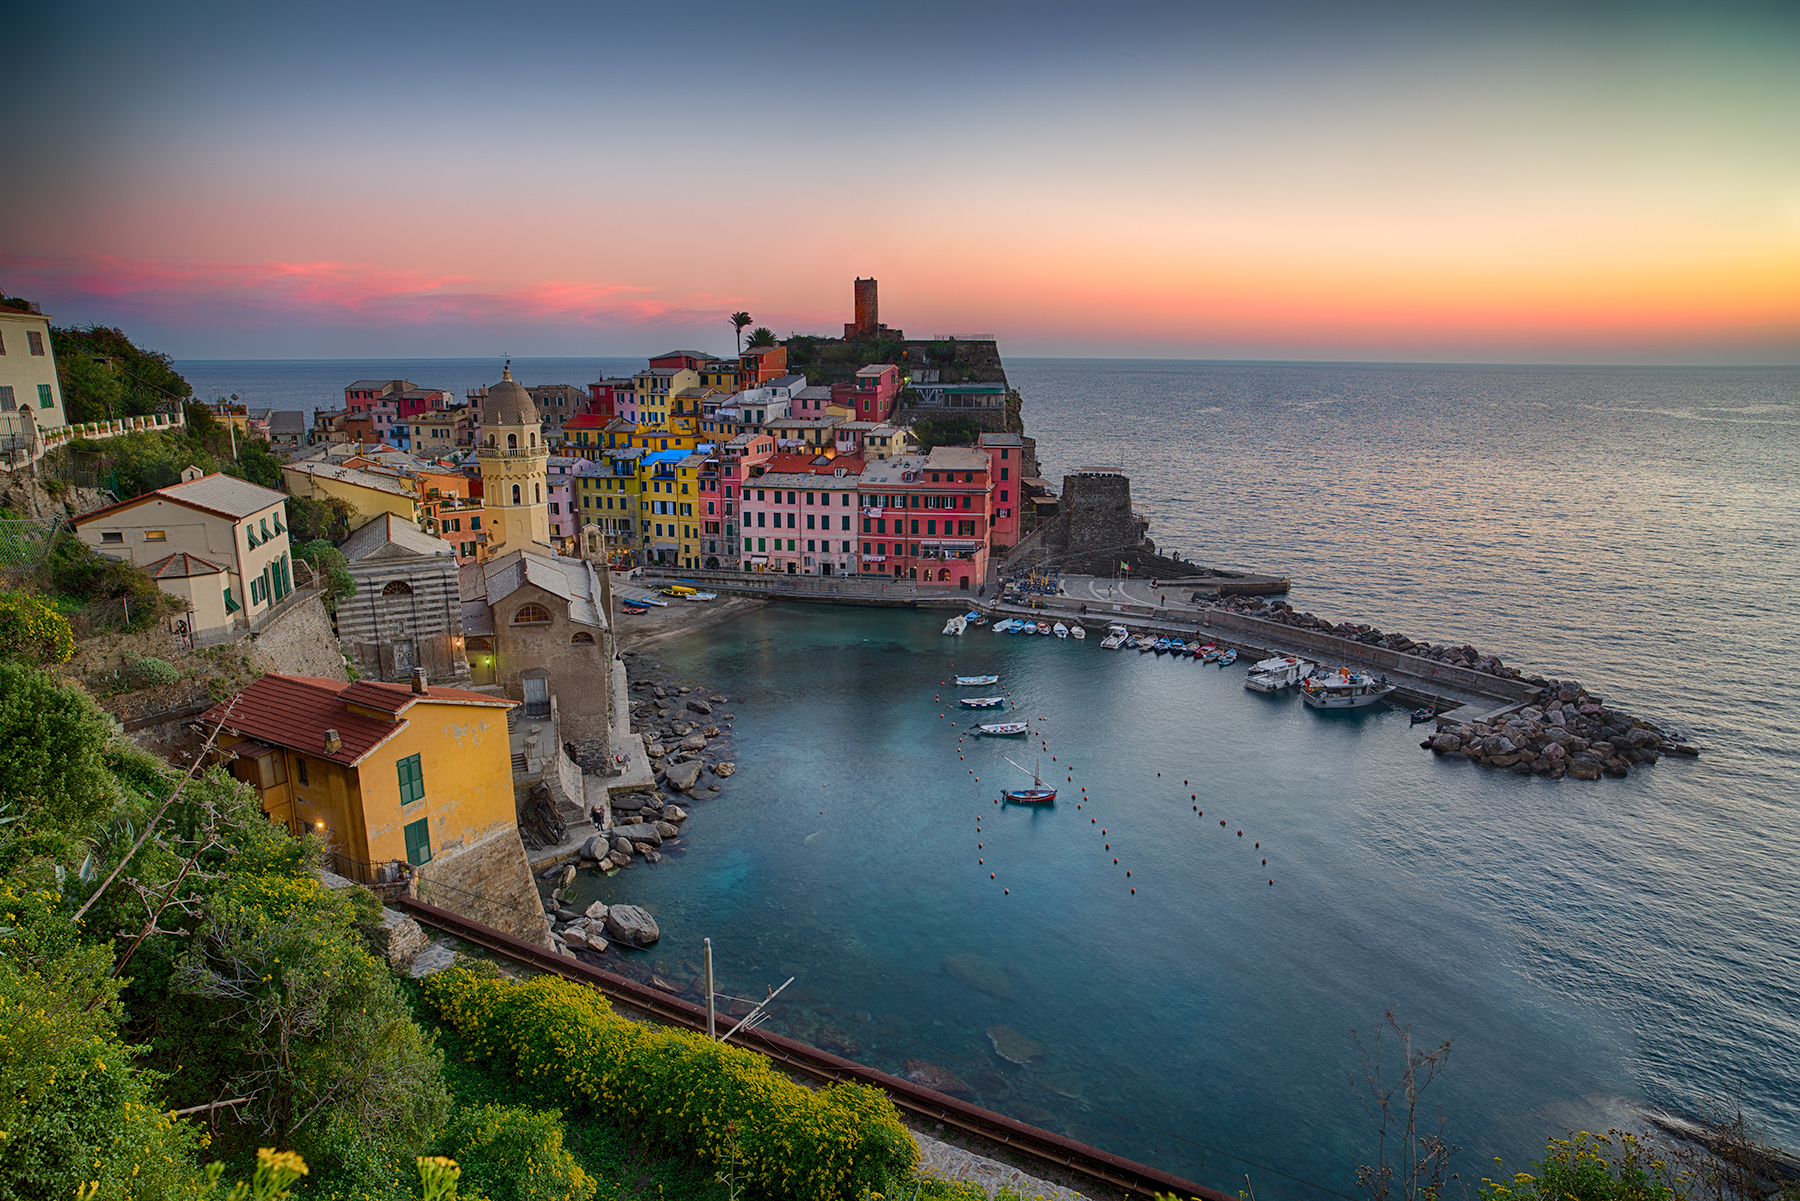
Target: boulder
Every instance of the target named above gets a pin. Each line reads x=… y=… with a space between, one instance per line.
x=700 y=707
x=632 y=925
x=596 y=912
x=636 y=834
x=682 y=776
x=594 y=848
x=621 y=846
x=1445 y=742
x=665 y=829
x=724 y=769
x=575 y=938
x=1012 y=1046
x=711 y=731
x=674 y=813
x=931 y=1075
x=693 y=742
x=655 y=750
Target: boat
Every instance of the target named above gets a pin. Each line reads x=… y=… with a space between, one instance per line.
x=1193 y=649
x=1116 y=637
x=1005 y=728
x=1145 y=643
x=1043 y=627
x=955 y=625
x=1037 y=794
x=1077 y=633
x=966 y=681
x=1275 y=674
x=1211 y=654
x=1228 y=658
x=1004 y=625
x=701 y=596
x=658 y=601
x=679 y=590
x=633 y=609
x=1423 y=715
x=1060 y=630
x=1163 y=645
x=982 y=702
x=1344 y=689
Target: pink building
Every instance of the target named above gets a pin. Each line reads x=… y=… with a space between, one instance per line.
x=565 y=519
x=737 y=459
x=873 y=394
x=609 y=398
x=927 y=517
x=800 y=516
x=1006 y=456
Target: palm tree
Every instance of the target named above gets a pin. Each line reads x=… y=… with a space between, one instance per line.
x=738 y=322
x=762 y=335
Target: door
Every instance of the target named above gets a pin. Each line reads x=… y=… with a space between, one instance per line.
x=406 y=657
x=537 y=696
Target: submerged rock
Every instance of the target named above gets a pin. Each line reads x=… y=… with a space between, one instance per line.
x=979 y=974
x=1012 y=1046
x=931 y=1075
x=724 y=769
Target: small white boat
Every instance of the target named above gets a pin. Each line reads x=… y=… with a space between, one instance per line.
x=1003 y=627
x=956 y=625
x=1273 y=675
x=702 y=596
x=982 y=702
x=1005 y=727
x=966 y=681
x=659 y=602
x=1116 y=637
x=1077 y=633
x=1344 y=690
x=1060 y=630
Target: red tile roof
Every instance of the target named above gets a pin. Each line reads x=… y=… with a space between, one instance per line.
x=295 y=712
x=181 y=565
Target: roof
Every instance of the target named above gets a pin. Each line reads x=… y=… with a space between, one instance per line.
x=365 y=385
x=876 y=369
x=995 y=438
x=396 y=532
x=787 y=381
x=217 y=493
x=814 y=392
x=956 y=458
x=295 y=712
x=287 y=421
x=181 y=565
x=350 y=475
x=508 y=403
x=684 y=354
x=570 y=579
x=759 y=351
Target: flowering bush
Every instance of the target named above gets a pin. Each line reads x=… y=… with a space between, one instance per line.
x=512 y=1153
x=32 y=632
x=682 y=1089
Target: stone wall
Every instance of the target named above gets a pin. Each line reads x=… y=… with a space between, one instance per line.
x=1093 y=530
x=488 y=882
x=406 y=613
x=299 y=642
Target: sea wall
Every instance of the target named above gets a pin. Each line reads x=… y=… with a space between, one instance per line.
x=488 y=882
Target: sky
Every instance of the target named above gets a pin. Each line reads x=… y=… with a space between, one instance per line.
x=1613 y=182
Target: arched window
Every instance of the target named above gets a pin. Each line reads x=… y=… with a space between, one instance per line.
x=397 y=588
x=538 y=489
x=534 y=437
x=512 y=441
x=515 y=494
x=582 y=640
x=531 y=615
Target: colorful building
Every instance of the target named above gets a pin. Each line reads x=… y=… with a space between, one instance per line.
x=1006 y=459
x=927 y=517
x=31 y=404
x=800 y=514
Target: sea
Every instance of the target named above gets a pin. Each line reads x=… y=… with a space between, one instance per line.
x=1206 y=936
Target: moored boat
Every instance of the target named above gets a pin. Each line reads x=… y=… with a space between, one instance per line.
x=1344 y=690
x=1211 y=654
x=1003 y=626
x=1037 y=794
x=701 y=596
x=1043 y=628
x=1077 y=633
x=1277 y=673
x=982 y=702
x=1060 y=630
x=966 y=681
x=956 y=624
x=1004 y=728
x=1116 y=637
x=1228 y=658
x=1423 y=715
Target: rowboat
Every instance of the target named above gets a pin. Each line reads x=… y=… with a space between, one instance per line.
x=633 y=609
x=1228 y=658
x=1060 y=630
x=701 y=596
x=1004 y=728
x=1043 y=627
x=1077 y=633
x=982 y=702
x=966 y=681
x=1005 y=627
x=1037 y=794
x=1211 y=654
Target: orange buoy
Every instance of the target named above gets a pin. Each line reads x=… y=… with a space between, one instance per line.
x=1221 y=821
x=1240 y=833
x=1115 y=861
x=1259 y=845
x=1128 y=873
x=1271 y=884
x=1134 y=892
x=990 y=875
x=982 y=862
x=1008 y=891
x=1265 y=863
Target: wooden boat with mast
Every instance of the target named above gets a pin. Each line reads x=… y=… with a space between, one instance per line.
x=1037 y=794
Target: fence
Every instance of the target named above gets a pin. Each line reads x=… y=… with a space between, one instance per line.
x=26 y=451
x=25 y=542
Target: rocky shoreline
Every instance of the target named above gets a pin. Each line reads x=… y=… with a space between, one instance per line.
x=687 y=737
x=1566 y=732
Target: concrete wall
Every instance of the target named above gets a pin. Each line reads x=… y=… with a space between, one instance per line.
x=490 y=882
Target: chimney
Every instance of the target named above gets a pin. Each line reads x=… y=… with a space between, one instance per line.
x=333 y=744
x=418 y=682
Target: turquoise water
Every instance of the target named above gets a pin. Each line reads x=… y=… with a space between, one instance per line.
x=1583 y=946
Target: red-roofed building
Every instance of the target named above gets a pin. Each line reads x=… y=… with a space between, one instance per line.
x=400 y=782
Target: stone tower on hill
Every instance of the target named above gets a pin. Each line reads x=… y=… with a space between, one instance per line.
x=868 y=315
x=515 y=465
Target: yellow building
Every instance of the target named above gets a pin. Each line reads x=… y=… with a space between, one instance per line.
x=396 y=780
x=656 y=389
x=690 y=509
x=515 y=464
x=370 y=493
x=30 y=396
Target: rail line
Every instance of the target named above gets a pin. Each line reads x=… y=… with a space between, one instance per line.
x=1091 y=1163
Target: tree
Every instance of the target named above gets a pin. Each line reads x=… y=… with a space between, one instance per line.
x=738 y=322
x=52 y=739
x=762 y=335
x=333 y=570
x=311 y=519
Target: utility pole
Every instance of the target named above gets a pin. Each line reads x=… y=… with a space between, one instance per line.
x=231 y=424
x=712 y=1028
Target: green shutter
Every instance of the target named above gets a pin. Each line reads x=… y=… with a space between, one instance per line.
x=418 y=841
x=412 y=780
x=44 y=398
x=231 y=605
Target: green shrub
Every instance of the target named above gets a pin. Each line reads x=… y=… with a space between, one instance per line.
x=683 y=1089
x=512 y=1153
x=151 y=672
x=1586 y=1167
x=32 y=632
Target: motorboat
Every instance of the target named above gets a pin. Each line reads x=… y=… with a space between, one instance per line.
x=967 y=681
x=1116 y=637
x=1037 y=794
x=1077 y=633
x=1060 y=630
x=1005 y=729
x=956 y=624
x=1277 y=673
x=1044 y=628
x=1344 y=689
x=982 y=702
x=1228 y=658
x=1003 y=626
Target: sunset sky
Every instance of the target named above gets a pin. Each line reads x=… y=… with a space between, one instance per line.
x=1614 y=182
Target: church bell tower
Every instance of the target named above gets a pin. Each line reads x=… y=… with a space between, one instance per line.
x=515 y=468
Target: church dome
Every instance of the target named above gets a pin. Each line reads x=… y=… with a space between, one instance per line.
x=508 y=403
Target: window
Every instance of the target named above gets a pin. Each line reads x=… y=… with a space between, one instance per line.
x=44 y=398
x=250 y=536
x=300 y=770
x=1006 y=473
x=231 y=605
x=156 y=535
x=531 y=615
x=846 y=521
x=412 y=781
x=279 y=528
x=35 y=340
x=418 y=842
x=7 y=403
x=582 y=639
x=112 y=536
x=264 y=530
x=397 y=588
